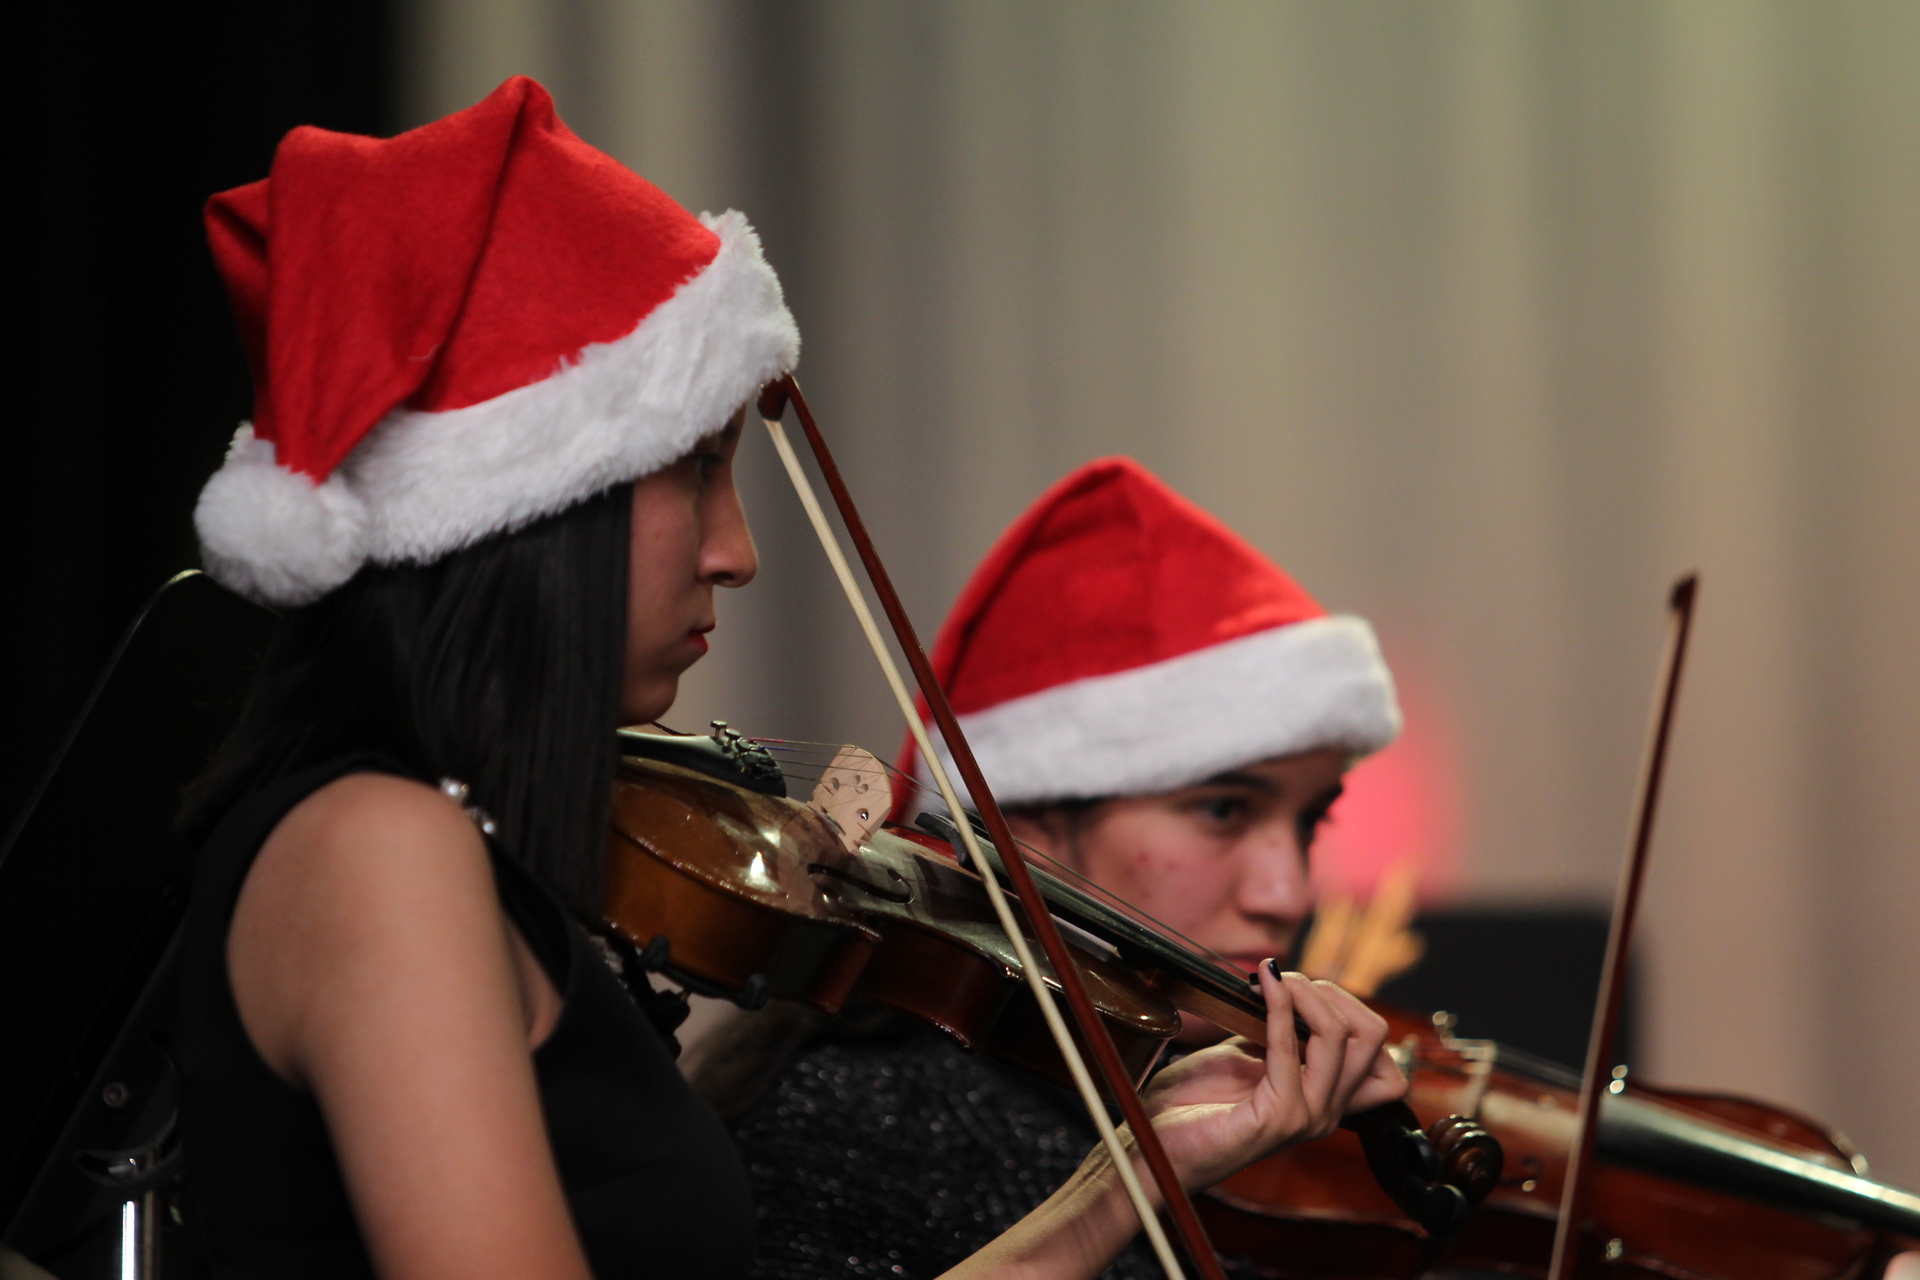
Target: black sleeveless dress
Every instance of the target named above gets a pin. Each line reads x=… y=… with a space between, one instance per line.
x=653 y=1180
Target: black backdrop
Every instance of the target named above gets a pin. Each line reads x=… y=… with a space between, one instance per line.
x=133 y=115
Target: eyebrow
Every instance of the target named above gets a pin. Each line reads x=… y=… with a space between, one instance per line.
x=1267 y=787
x=714 y=439
x=1244 y=781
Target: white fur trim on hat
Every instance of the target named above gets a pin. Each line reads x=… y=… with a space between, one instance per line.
x=1313 y=684
x=423 y=485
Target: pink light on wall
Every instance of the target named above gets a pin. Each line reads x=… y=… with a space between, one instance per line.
x=1401 y=803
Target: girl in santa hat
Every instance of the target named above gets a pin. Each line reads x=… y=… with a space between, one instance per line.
x=1163 y=710
x=498 y=387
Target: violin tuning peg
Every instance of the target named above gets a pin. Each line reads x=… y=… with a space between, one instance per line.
x=1470 y=1158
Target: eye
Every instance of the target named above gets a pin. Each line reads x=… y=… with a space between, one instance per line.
x=1224 y=809
x=708 y=466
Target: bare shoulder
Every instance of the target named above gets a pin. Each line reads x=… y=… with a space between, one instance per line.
x=365 y=844
x=374 y=966
x=363 y=813
x=371 y=891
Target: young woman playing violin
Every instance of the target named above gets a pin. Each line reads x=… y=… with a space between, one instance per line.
x=1162 y=710
x=498 y=381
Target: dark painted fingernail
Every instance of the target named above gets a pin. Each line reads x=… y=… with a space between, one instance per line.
x=1273 y=967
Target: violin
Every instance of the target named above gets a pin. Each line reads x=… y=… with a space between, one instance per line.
x=727 y=887
x=1684 y=1184
x=730 y=888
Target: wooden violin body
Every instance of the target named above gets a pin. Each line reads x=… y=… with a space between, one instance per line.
x=1314 y=1211
x=749 y=892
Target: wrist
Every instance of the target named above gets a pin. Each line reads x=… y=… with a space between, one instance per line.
x=1094 y=1205
x=1076 y=1232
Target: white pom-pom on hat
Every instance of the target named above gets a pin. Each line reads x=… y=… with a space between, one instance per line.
x=273 y=534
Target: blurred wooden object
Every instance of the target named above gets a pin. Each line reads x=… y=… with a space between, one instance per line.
x=1363 y=948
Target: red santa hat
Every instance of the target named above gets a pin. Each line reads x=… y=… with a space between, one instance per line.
x=460 y=330
x=1118 y=640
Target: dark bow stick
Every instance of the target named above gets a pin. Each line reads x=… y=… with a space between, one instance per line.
x=772 y=406
x=1606 y=1013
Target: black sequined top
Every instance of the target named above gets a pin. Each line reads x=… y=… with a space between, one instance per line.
x=897 y=1153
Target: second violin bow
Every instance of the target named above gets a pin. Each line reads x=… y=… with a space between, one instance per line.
x=1606 y=1013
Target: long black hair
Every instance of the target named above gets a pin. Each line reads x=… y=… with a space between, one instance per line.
x=499 y=665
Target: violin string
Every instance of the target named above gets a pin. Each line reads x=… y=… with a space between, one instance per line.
x=808 y=760
x=1016 y=936
x=911 y=794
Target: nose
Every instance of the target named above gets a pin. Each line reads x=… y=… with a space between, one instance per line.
x=1273 y=884
x=728 y=557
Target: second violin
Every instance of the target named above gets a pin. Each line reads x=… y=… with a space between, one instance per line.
x=729 y=888
x=732 y=889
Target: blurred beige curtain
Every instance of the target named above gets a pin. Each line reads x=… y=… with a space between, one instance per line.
x=1485 y=319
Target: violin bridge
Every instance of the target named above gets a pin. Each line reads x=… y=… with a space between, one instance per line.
x=854 y=795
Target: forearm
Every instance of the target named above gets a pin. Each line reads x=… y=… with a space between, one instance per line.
x=1075 y=1233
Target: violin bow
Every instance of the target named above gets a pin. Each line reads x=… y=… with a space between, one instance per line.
x=1601 y=1042
x=772 y=405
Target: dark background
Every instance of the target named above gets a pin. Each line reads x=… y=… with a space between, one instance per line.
x=1525 y=976
x=134 y=378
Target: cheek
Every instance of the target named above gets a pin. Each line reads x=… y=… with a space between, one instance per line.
x=666 y=541
x=1176 y=885
x=647 y=615
x=663 y=571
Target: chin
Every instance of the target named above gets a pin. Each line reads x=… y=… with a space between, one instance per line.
x=644 y=706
